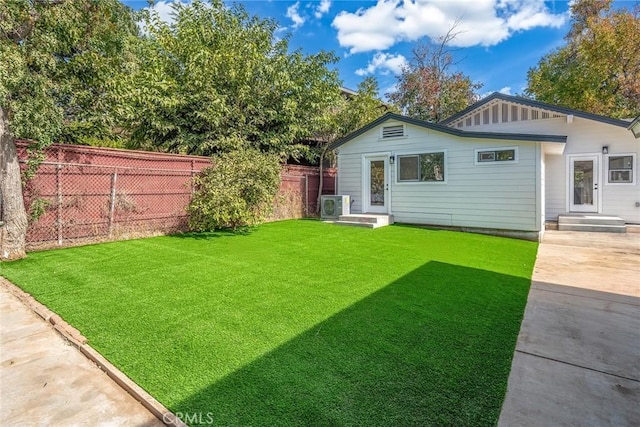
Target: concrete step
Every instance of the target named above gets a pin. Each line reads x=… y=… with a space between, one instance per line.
x=593 y=228
x=365 y=220
x=591 y=222
x=358 y=224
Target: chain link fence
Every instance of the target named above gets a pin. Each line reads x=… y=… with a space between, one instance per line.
x=84 y=195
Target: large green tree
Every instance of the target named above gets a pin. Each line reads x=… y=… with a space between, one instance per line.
x=59 y=61
x=217 y=79
x=428 y=88
x=598 y=70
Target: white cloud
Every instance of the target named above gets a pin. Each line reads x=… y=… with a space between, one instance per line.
x=480 y=22
x=322 y=8
x=164 y=9
x=385 y=63
x=292 y=13
x=505 y=90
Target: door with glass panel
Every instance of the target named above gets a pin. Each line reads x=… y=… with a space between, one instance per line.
x=583 y=184
x=376 y=185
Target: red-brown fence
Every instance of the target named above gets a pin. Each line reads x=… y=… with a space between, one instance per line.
x=89 y=194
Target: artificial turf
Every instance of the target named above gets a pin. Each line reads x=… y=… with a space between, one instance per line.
x=300 y=322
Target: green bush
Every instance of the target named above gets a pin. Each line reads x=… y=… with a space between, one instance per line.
x=237 y=191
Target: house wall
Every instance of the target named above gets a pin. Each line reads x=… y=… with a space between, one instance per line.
x=491 y=195
x=583 y=137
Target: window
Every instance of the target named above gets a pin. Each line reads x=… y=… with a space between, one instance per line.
x=621 y=169
x=392 y=131
x=427 y=167
x=497 y=155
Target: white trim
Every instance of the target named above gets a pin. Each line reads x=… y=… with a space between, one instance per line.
x=516 y=156
x=597 y=177
x=366 y=202
x=634 y=167
x=417 y=153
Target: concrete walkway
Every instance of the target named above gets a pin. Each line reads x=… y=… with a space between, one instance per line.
x=577 y=359
x=45 y=381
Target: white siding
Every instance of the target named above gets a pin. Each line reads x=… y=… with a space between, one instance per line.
x=583 y=137
x=496 y=195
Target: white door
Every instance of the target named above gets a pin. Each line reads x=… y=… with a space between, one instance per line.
x=376 y=184
x=583 y=184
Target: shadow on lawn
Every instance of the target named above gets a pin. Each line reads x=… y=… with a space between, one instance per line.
x=433 y=347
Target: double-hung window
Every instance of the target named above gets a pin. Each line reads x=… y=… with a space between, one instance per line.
x=621 y=169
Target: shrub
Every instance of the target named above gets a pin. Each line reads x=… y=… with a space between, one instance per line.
x=237 y=191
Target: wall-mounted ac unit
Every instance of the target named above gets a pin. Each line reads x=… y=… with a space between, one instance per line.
x=334 y=206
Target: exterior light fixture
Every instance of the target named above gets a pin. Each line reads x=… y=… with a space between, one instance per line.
x=605 y=149
x=392 y=159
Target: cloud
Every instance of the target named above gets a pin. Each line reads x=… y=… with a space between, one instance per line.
x=164 y=9
x=322 y=8
x=385 y=63
x=505 y=90
x=292 y=13
x=480 y=22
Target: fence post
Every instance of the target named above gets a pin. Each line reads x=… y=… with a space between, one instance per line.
x=59 y=202
x=306 y=195
x=112 y=204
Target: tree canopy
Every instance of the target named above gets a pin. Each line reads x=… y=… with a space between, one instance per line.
x=217 y=79
x=428 y=88
x=598 y=70
x=58 y=62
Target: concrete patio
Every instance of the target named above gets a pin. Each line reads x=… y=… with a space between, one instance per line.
x=577 y=359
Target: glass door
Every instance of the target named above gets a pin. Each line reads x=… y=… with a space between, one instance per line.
x=376 y=185
x=583 y=190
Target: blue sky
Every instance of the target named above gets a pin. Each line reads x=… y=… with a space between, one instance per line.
x=498 y=40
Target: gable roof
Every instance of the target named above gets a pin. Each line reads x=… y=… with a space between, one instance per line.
x=534 y=104
x=450 y=131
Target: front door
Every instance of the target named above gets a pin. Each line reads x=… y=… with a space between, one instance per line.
x=376 y=185
x=583 y=181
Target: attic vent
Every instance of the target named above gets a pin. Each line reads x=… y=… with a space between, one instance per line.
x=392 y=131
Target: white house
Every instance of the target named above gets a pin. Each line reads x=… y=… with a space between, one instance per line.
x=505 y=164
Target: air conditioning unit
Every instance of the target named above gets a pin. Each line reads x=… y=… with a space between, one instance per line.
x=334 y=206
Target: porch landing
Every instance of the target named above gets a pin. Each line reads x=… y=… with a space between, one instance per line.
x=591 y=222
x=365 y=220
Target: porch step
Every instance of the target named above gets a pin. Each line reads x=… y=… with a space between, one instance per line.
x=590 y=222
x=365 y=220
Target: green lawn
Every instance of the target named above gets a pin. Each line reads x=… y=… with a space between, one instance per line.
x=301 y=322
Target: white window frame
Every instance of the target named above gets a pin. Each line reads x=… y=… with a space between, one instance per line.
x=477 y=151
x=418 y=182
x=634 y=167
x=381 y=137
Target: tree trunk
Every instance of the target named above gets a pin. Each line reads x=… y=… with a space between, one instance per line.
x=13 y=216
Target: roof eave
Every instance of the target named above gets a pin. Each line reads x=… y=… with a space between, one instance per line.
x=535 y=104
x=634 y=127
x=451 y=131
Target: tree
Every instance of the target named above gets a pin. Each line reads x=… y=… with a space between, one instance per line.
x=217 y=77
x=348 y=114
x=598 y=70
x=428 y=89
x=56 y=56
